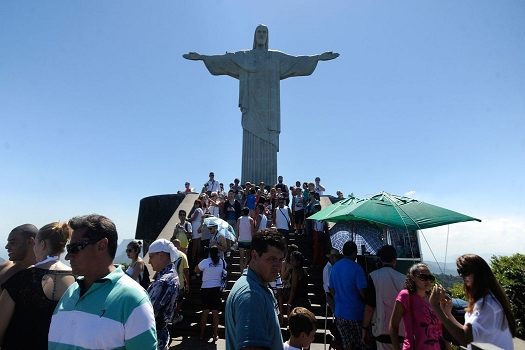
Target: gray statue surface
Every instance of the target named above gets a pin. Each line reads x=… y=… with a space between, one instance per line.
x=259 y=72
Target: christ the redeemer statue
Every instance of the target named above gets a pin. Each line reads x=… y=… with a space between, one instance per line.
x=259 y=72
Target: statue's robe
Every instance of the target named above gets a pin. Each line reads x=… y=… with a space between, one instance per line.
x=259 y=73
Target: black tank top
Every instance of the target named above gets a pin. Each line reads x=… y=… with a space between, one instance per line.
x=29 y=325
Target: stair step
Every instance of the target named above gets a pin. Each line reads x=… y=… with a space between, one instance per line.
x=191 y=309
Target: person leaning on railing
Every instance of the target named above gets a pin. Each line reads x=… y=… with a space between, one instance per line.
x=488 y=318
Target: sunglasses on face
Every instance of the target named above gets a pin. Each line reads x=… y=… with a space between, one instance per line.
x=74 y=248
x=129 y=250
x=424 y=277
x=463 y=272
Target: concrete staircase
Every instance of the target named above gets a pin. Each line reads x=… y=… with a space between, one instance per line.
x=167 y=231
x=191 y=309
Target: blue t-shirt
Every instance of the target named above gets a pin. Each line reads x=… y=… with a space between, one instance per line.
x=251 y=315
x=250 y=201
x=346 y=279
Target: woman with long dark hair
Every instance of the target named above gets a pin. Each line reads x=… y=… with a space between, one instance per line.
x=488 y=318
x=211 y=269
x=299 y=283
x=286 y=270
x=422 y=326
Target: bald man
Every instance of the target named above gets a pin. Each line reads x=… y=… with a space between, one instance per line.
x=19 y=247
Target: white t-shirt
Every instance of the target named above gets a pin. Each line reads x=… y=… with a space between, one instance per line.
x=131 y=269
x=195 y=224
x=298 y=202
x=486 y=319
x=326 y=277
x=213 y=210
x=212 y=186
x=319 y=189
x=211 y=274
x=282 y=218
x=263 y=222
x=287 y=346
x=245 y=229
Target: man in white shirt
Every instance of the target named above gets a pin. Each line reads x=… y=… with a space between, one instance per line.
x=333 y=257
x=383 y=286
x=319 y=189
x=281 y=218
x=212 y=185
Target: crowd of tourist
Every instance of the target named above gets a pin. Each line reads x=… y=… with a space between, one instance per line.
x=95 y=304
x=250 y=208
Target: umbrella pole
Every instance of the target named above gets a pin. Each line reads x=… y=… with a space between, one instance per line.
x=325 y=322
x=431 y=252
x=446 y=251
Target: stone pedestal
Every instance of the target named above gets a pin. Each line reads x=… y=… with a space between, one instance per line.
x=259 y=160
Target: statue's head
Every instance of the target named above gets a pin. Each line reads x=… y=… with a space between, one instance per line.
x=260 y=38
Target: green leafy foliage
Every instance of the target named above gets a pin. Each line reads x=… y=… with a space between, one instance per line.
x=510 y=273
x=448 y=281
x=457 y=290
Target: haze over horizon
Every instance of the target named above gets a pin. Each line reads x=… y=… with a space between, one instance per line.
x=99 y=109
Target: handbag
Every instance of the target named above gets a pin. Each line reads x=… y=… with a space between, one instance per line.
x=224 y=276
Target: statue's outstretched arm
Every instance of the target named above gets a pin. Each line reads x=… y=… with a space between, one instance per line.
x=194 y=56
x=326 y=56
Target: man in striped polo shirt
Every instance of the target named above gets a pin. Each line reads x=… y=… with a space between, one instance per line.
x=105 y=308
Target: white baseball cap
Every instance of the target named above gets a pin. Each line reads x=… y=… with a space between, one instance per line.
x=163 y=245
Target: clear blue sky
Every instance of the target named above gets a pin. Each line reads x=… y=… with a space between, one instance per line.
x=98 y=109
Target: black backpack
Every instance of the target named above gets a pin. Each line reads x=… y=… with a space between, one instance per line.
x=144 y=280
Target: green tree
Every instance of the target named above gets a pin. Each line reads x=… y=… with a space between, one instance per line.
x=457 y=290
x=510 y=273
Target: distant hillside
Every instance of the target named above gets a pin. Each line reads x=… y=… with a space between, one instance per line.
x=448 y=281
x=121 y=257
x=449 y=269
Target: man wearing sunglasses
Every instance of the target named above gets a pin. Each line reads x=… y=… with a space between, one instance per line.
x=105 y=308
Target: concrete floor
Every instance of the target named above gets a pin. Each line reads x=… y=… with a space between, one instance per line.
x=190 y=343
x=193 y=343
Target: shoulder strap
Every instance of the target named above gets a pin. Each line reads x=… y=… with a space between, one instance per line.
x=412 y=317
x=287 y=220
x=177 y=263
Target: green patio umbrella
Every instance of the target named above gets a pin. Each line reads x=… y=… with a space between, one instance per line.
x=393 y=211
x=333 y=208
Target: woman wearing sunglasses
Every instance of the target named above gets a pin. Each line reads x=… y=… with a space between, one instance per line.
x=30 y=296
x=422 y=326
x=136 y=268
x=488 y=318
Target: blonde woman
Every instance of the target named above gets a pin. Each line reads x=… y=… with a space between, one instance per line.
x=30 y=296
